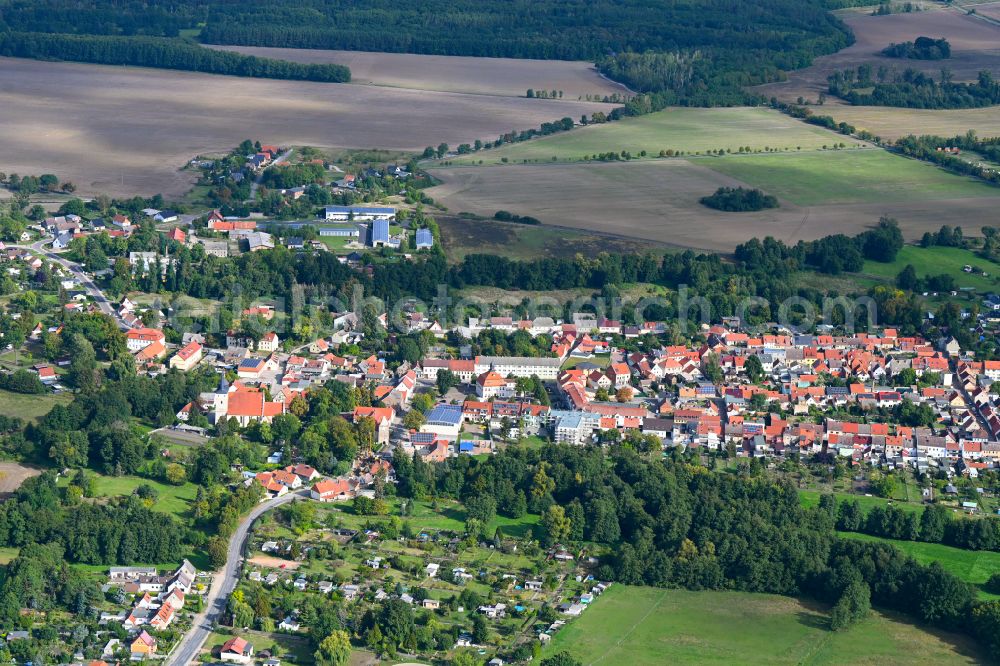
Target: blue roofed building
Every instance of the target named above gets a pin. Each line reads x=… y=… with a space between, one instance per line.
x=445 y=421
x=380 y=233
x=425 y=239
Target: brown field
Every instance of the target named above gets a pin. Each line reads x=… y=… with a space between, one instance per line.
x=123 y=130
x=975 y=45
x=891 y=123
x=990 y=10
x=12 y=475
x=272 y=562
x=658 y=201
x=509 y=77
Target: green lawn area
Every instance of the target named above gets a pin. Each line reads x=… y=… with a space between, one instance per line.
x=848 y=176
x=938 y=260
x=294 y=648
x=678 y=129
x=810 y=498
x=337 y=244
x=972 y=566
x=643 y=626
x=7 y=553
x=172 y=499
x=31 y=407
x=602 y=361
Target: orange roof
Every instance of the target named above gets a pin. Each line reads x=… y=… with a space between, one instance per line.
x=379 y=414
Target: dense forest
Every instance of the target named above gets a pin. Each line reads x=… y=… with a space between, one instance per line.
x=739 y=199
x=697 y=53
x=676 y=524
x=163 y=53
x=912 y=89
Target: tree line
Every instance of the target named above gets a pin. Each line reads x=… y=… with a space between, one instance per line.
x=163 y=53
x=934 y=525
x=913 y=89
x=677 y=53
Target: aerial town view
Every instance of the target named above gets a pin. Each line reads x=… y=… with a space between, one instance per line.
x=497 y=332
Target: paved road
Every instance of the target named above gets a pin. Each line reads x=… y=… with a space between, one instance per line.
x=223 y=585
x=92 y=289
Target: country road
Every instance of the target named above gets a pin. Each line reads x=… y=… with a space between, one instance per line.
x=88 y=284
x=223 y=584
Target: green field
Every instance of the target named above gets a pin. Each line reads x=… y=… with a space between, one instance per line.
x=810 y=498
x=643 y=626
x=30 y=407
x=848 y=176
x=972 y=566
x=171 y=499
x=938 y=260
x=679 y=129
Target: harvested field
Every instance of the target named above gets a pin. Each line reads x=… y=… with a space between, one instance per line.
x=12 y=475
x=657 y=200
x=509 y=77
x=123 y=130
x=677 y=129
x=990 y=10
x=975 y=45
x=890 y=123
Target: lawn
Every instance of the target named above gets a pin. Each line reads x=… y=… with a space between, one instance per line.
x=972 y=566
x=938 y=260
x=31 y=407
x=602 y=361
x=174 y=500
x=810 y=498
x=643 y=626
x=679 y=129
x=848 y=176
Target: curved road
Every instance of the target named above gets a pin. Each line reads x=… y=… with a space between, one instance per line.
x=77 y=271
x=223 y=584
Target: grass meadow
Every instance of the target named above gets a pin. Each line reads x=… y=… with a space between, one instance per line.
x=30 y=407
x=679 y=129
x=847 y=177
x=643 y=626
x=938 y=260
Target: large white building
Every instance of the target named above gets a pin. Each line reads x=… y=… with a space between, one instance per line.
x=358 y=213
x=138 y=339
x=574 y=428
x=519 y=366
